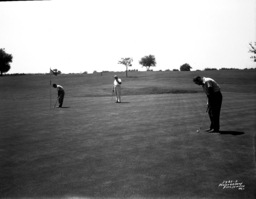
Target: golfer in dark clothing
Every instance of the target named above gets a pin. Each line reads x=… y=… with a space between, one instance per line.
x=212 y=90
x=61 y=93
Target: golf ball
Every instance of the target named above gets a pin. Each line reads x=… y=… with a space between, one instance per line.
x=197 y=131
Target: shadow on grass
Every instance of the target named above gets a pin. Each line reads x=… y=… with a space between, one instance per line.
x=64 y=107
x=230 y=132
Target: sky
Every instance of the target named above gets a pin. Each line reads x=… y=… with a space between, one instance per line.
x=76 y=36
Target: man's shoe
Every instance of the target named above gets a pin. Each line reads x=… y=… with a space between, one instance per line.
x=208 y=130
x=213 y=131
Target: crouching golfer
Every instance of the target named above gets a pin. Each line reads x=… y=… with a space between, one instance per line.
x=117 y=88
x=61 y=94
x=212 y=90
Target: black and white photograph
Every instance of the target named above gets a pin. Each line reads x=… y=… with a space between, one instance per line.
x=131 y=99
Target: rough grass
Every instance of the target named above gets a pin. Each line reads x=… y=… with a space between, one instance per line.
x=145 y=147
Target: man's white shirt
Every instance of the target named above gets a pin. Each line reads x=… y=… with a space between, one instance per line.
x=210 y=83
x=116 y=83
x=60 y=88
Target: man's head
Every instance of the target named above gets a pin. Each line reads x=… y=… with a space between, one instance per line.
x=54 y=86
x=115 y=77
x=198 y=80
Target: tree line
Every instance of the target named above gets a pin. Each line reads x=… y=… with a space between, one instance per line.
x=146 y=61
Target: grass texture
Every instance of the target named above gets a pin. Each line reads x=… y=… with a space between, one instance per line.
x=145 y=147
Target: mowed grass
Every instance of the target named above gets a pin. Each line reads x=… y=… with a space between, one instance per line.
x=145 y=147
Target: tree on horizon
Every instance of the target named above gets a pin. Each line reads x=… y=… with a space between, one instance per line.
x=5 y=60
x=127 y=62
x=253 y=50
x=185 y=67
x=148 y=61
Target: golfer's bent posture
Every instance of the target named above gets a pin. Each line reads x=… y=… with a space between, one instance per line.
x=117 y=88
x=61 y=93
x=212 y=90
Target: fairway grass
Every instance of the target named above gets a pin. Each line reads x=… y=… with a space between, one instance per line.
x=145 y=147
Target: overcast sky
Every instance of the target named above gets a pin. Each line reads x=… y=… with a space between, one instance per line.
x=93 y=35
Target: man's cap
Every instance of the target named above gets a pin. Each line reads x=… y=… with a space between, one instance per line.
x=115 y=76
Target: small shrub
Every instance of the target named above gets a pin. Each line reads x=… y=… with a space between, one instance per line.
x=210 y=69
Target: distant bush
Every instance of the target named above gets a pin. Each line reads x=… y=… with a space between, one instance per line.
x=210 y=69
x=229 y=69
x=85 y=72
x=15 y=74
x=175 y=70
x=249 y=68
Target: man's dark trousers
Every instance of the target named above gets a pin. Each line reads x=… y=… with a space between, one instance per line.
x=215 y=101
x=61 y=95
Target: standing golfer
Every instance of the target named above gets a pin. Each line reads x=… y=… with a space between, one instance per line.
x=61 y=93
x=117 y=88
x=212 y=90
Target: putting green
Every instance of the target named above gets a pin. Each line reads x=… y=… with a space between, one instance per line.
x=145 y=147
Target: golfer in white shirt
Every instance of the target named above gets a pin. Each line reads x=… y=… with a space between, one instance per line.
x=212 y=90
x=117 y=88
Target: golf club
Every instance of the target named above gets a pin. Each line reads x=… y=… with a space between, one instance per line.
x=202 y=121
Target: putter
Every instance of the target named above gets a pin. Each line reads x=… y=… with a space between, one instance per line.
x=202 y=120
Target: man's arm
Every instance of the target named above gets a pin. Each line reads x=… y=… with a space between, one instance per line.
x=118 y=81
x=210 y=96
